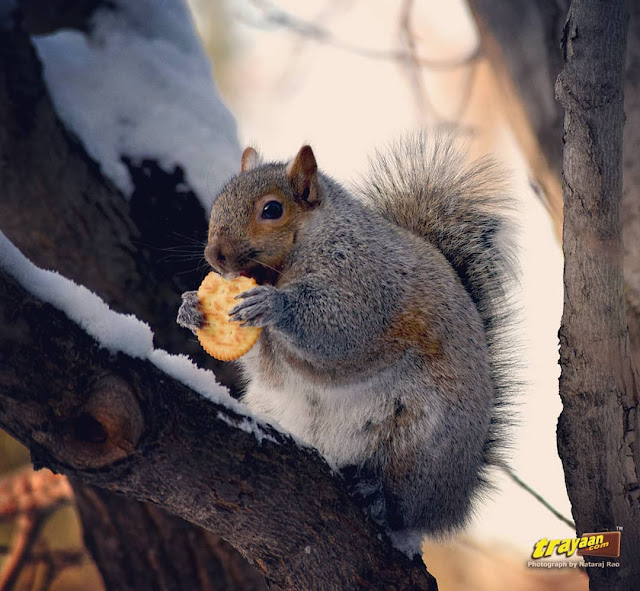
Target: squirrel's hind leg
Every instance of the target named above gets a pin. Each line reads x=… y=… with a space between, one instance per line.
x=367 y=490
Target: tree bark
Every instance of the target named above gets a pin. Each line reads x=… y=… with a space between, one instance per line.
x=598 y=385
x=120 y=423
x=63 y=214
x=531 y=66
x=159 y=550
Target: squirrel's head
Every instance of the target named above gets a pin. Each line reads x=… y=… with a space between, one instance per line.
x=256 y=219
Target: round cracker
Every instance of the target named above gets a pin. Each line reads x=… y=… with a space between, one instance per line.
x=222 y=338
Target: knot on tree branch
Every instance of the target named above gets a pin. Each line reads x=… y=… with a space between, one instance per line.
x=104 y=429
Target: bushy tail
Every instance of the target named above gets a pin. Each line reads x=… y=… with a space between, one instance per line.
x=426 y=184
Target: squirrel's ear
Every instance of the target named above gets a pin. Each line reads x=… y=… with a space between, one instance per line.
x=302 y=173
x=250 y=159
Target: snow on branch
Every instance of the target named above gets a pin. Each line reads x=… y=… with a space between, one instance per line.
x=139 y=85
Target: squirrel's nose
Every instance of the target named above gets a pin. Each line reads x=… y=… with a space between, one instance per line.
x=215 y=256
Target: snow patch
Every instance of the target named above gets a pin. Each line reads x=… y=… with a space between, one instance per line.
x=408 y=541
x=203 y=381
x=139 y=84
x=120 y=333
x=248 y=425
x=115 y=332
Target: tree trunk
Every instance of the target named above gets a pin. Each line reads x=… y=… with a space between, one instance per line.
x=598 y=385
x=526 y=66
x=529 y=63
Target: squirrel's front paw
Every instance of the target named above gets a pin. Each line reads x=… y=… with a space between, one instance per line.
x=190 y=313
x=260 y=306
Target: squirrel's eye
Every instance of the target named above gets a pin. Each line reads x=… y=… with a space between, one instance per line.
x=272 y=210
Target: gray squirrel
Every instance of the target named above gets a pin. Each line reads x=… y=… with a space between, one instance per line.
x=382 y=310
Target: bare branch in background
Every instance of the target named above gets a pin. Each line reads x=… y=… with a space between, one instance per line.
x=274 y=17
x=28 y=498
x=27 y=526
x=411 y=64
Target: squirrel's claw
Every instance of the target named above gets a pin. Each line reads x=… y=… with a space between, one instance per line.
x=260 y=306
x=190 y=314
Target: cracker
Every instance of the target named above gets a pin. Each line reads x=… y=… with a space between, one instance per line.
x=222 y=338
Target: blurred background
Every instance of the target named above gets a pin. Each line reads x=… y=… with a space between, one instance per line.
x=348 y=76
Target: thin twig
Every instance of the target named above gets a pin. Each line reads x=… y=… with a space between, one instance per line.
x=278 y=18
x=28 y=527
x=413 y=67
x=467 y=89
x=299 y=47
x=537 y=496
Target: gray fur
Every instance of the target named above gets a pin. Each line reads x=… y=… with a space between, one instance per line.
x=189 y=314
x=408 y=416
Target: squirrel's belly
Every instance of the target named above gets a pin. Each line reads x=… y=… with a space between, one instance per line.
x=336 y=423
x=347 y=422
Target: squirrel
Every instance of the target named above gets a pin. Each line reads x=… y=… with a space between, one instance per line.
x=383 y=310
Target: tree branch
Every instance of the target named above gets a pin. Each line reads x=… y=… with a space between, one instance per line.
x=116 y=248
x=120 y=423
